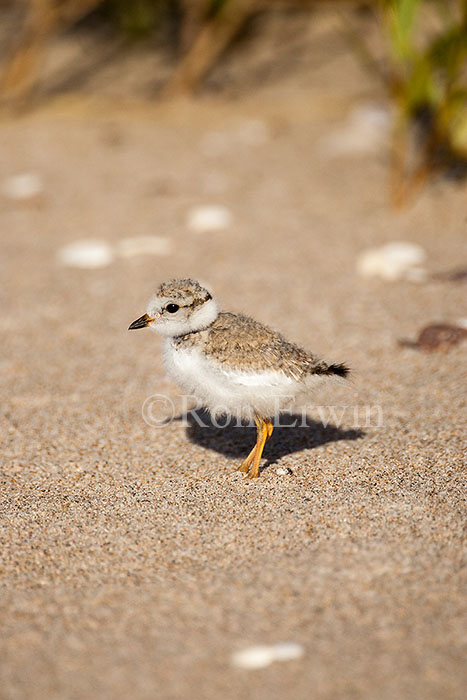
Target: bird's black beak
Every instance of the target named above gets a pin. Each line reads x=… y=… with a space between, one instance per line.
x=140 y=322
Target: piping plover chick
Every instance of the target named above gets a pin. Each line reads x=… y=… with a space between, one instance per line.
x=230 y=362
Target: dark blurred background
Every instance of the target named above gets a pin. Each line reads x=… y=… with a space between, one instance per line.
x=156 y=49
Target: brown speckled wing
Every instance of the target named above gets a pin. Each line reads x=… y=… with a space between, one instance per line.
x=240 y=342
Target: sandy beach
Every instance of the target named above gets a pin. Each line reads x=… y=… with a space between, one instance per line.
x=135 y=560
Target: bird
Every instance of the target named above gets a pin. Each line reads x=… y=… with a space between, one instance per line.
x=230 y=362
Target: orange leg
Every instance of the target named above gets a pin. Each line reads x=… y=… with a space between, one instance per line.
x=246 y=464
x=264 y=431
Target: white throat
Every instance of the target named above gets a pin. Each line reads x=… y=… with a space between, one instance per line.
x=204 y=316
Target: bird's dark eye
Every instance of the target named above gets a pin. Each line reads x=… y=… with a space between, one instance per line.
x=172 y=308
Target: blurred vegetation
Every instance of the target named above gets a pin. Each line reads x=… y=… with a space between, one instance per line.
x=427 y=80
x=137 y=19
x=423 y=64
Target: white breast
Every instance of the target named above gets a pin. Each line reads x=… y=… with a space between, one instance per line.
x=225 y=390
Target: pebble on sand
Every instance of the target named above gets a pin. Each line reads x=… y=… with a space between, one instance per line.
x=208 y=218
x=366 y=129
x=22 y=186
x=262 y=656
x=396 y=260
x=88 y=254
x=437 y=336
x=143 y=245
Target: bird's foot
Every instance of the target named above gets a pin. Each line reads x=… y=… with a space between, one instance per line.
x=246 y=464
x=244 y=467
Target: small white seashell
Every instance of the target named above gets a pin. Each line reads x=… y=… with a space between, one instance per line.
x=89 y=254
x=282 y=471
x=208 y=218
x=264 y=655
x=365 y=130
x=22 y=186
x=253 y=657
x=144 y=245
x=393 y=261
x=461 y=322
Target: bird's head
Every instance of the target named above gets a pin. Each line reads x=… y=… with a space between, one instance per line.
x=178 y=307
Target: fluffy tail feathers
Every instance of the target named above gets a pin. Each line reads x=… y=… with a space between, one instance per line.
x=338 y=370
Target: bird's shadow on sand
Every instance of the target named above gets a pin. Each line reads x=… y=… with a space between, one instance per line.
x=293 y=433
